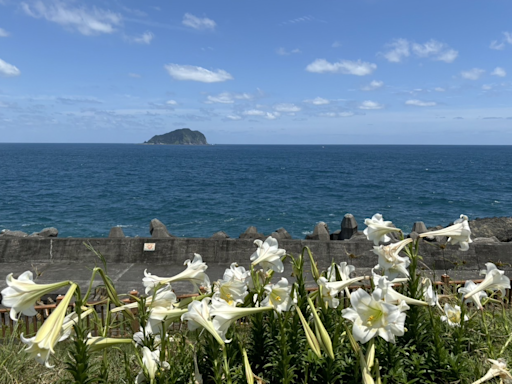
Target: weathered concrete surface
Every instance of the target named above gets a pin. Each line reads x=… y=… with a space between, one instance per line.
x=54 y=259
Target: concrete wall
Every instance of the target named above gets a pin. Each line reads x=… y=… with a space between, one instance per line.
x=56 y=259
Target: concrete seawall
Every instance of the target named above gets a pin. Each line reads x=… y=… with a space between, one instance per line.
x=57 y=259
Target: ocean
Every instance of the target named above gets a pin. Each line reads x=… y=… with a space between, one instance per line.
x=85 y=189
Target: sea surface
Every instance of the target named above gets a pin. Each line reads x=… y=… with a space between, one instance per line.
x=85 y=189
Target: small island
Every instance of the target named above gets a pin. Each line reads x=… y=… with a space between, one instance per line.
x=183 y=136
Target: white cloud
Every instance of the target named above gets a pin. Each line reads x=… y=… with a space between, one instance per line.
x=283 y=52
x=375 y=84
x=233 y=117
x=272 y=115
x=367 y=104
x=3 y=33
x=8 y=70
x=336 y=114
x=87 y=21
x=134 y=75
x=472 y=74
x=498 y=71
x=336 y=44
x=318 y=101
x=286 y=107
x=227 y=98
x=193 y=73
x=435 y=49
x=439 y=89
x=347 y=67
x=198 y=23
x=487 y=87
x=399 y=50
x=448 y=56
x=497 y=46
x=508 y=37
x=419 y=103
x=171 y=102
x=145 y=38
x=254 y=112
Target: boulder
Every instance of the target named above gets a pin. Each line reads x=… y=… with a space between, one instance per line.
x=501 y=227
x=348 y=227
x=48 y=232
x=220 y=235
x=8 y=233
x=252 y=233
x=116 y=232
x=158 y=229
x=321 y=232
x=281 y=234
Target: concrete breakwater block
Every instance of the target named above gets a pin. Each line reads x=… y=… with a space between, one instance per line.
x=348 y=227
x=157 y=229
x=116 y=232
x=321 y=232
x=252 y=233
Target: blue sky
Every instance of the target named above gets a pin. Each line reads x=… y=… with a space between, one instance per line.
x=257 y=72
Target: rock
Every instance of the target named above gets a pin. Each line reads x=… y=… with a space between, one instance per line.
x=348 y=227
x=281 y=234
x=321 y=232
x=158 y=229
x=8 y=233
x=116 y=232
x=501 y=227
x=252 y=233
x=336 y=235
x=48 y=232
x=220 y=235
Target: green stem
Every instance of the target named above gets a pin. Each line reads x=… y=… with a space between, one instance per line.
x=227 y=371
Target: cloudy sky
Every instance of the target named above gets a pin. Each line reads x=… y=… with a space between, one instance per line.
x=257 y=72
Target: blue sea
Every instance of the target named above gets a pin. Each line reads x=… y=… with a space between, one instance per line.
x=85 y=189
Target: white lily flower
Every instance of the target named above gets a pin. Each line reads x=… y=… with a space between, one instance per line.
x=268 y=255
x=344 y=269
x=385 y=290
x=194 y=273
x=237 y=273
x=372 y=317
x=98 y=343
x=470 y=286
x=499 y=368
x=279 y=296
x=22 y=293
x=164 y=297
x=162 y=317
x=458 y=233
x=389 y=260
x=453 y=315
x=494 y=280
x=429 y=294
x=330 y=290
x=198 y=316
x=151 y=362
x=224 y=315
x=232 y=291
x=377 y=229
x=198 y=378
x=43 y=343
x=70 y=320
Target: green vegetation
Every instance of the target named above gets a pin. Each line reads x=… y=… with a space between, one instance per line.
x=183 y=136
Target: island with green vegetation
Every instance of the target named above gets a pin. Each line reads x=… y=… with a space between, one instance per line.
x=183 y=136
